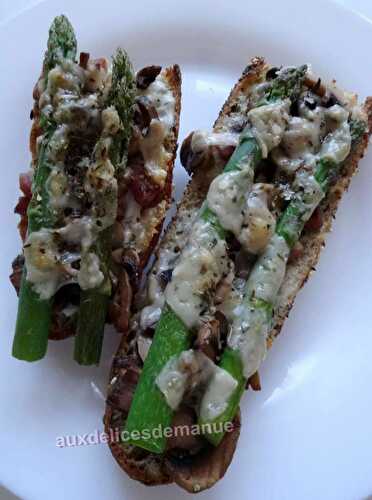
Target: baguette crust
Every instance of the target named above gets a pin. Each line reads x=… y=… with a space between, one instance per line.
x=152 y=469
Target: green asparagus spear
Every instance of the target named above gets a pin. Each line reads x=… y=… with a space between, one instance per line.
x=34 y=313
x=61 y=43
x=289 y=227
x=94 y=302
x=287 y=85
x=148 y=402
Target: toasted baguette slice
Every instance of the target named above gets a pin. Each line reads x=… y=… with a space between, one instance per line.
x=139 y=226
x=204 y=469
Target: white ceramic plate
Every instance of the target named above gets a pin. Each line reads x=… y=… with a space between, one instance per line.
x=307 y=435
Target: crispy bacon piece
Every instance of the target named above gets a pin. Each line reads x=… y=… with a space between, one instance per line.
x=21 y=207
x=25 y=182
x=22 y=227
x=296 y=252
x=83 y=60
x=100 y=63
x=254 y=382
x=145 y=191
x=34 y=134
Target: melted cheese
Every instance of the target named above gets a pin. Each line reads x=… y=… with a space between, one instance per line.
x=49 y=267
x=242 y=208
x=161 y=96
x=268 y=273
x=250 y=324
x=258 y=222
x=304 y=143
x=248 y=336
x=269 y=123
x=189 y=370
x=154 y=154
x=90 y=275
x=227 y=195
x=217 y=394
x=201 y=266
x=150 y=314
x=74 y=99
x=139 y=224
x=43 y=263
x=152 y=147
x=166 y=261
x=201 y=140
x=337 y=146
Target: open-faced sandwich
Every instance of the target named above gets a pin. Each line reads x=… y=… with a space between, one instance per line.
x=103 y=145
x=266 y=183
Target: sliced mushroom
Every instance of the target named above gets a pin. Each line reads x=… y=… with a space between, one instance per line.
x=144 y=112
x=243 y=263
x=223 y=288
x=272 y=73
x=182 y=438
x=146 y=76
x=204 y=154
x=164 y=277
x=119 y=309
x=131 y=263
x=122 y=386
x=185 y=152
x=329 y=100
x=201 y=471
x=211 y=337
x=192 y=158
